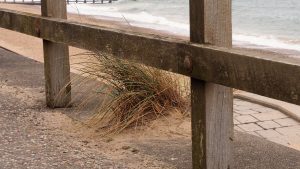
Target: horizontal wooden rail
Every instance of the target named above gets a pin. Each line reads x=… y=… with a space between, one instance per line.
x=275 y=77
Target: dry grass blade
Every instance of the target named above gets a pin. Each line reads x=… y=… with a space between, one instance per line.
x=134 y=94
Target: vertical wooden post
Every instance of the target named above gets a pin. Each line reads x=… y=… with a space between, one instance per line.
x=56 y=60
x=212 y=105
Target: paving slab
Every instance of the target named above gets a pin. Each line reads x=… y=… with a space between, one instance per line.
x=250 y=127
x=246 y=111
x=272 y=115
x=290 y=109
x=236 y=121
x=289 y=131
x=269 y=133
x=237 y=128
x=271 y=121
x=246 y=119
x=268 y=124
x=287 y=122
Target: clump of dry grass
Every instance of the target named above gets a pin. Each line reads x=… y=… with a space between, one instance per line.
x=134 y=94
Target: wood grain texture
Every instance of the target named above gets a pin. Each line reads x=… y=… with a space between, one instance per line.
x=56 y=60
x=212 y=104
x=199 y=124
x=54 y=9
x=259 y=74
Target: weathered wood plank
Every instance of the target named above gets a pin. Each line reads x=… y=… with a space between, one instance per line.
x=275 y=77
x=199 y=124
x=212 y=104
x=56 y=60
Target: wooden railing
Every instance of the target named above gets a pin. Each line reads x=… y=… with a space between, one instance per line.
x=213 y=66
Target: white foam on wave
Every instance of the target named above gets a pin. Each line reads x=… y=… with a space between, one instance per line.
x=96 y=10
x=266 y=42
x=144 y=19
x=140 y=19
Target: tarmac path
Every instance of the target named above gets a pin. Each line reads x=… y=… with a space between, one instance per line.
x=35 y=137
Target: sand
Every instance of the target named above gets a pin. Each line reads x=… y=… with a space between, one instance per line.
x=83 y=143
x=55 y=138
x=33 y=136
x=32 y=47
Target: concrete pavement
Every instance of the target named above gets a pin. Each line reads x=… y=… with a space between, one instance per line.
x=267 y=123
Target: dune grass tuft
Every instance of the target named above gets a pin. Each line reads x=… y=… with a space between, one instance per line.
x=134 y=94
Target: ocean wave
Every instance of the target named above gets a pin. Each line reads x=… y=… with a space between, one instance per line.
x=265 y=42
x=141 y=18
x=145 y=19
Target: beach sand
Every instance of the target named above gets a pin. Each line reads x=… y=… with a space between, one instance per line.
x=34 y=136
x=32 y=47
x=119 y=148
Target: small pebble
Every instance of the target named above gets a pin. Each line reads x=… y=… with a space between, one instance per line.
x=108 y=140
x=126 y=147
x=135 y=150
x=85 y=142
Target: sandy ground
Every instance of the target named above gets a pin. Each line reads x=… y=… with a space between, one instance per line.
x=33 y=136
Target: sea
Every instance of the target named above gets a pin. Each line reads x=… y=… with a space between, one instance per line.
x=265 y=24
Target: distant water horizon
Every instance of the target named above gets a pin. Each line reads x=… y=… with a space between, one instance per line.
x=264 y=24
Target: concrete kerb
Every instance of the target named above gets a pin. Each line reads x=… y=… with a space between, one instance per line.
x=286 y=108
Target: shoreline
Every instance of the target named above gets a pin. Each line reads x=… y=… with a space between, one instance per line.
x=235 y=43
x=19 y=43
x=108 y=22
